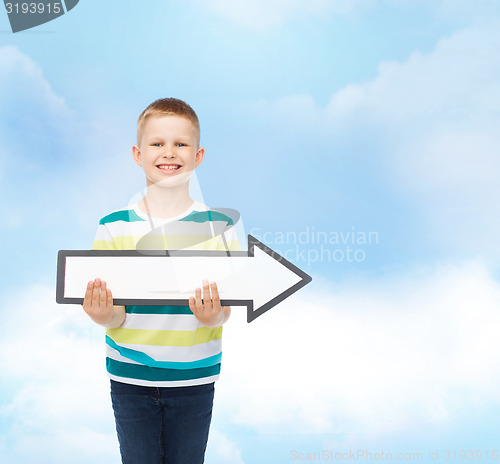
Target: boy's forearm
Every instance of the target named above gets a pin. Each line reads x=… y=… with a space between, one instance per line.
x=117 y=318
x=226 y=314
x=217 y=321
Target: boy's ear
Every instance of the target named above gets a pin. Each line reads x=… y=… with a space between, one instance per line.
x=199 y=157
x=136 y=153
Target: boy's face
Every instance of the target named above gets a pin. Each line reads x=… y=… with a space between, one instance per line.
x=168 y=150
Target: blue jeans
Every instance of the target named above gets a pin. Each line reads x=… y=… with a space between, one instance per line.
x=162 y=425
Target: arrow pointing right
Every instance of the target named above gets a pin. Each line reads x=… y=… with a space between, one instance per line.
x=271 y=278
x=258 y=278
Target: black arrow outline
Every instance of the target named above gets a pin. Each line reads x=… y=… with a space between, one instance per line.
x=66 y=6
x=252 y=313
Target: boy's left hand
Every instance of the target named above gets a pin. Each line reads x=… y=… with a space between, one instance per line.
x=209 y=310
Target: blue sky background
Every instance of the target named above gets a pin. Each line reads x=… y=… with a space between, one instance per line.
x=338 y=116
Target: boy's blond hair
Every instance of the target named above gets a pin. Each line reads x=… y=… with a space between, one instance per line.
x=167 y=107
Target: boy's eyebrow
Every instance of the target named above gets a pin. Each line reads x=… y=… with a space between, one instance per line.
x=175 y=137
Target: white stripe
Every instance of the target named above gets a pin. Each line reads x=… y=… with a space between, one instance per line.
x=171 y=353
x=161 y=322
x=119 y=228
x=175 y=383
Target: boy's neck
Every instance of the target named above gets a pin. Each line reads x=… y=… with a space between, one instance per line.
x=165 y=202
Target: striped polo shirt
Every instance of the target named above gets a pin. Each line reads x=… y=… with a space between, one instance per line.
x=164 y=346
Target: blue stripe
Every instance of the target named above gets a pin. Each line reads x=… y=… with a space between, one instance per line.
x=126 y=215
x=148 y=309
x=136 y=371
x=143 y=358
x=204 y=216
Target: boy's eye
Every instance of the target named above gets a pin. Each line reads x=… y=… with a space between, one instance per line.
x=180 y=144
x=156 y=144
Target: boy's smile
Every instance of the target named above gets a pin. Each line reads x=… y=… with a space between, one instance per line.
x=168 y=168
x=168 y=150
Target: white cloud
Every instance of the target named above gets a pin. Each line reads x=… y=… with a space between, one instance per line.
x=30 y=107
x=436 y=117
x=35 y=124
x=432 y=123
x=55 y=393
x=370 y=358
x=46 y=147
x=367 y=357
x=222 y=450
x=21 y=72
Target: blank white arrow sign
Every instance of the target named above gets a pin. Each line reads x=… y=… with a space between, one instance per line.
x=258 y=279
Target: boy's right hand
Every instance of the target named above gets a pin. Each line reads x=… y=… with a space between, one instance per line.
x=98 y=304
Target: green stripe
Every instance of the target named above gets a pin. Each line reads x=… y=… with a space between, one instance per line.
x=126 y=215
x=143 y=358
x=137 y=371
x=204 y=216
x=157 y=310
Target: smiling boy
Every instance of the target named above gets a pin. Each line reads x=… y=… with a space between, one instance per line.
x=163 y=360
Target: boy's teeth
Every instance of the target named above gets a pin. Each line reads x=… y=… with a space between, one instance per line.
x=162 y=166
